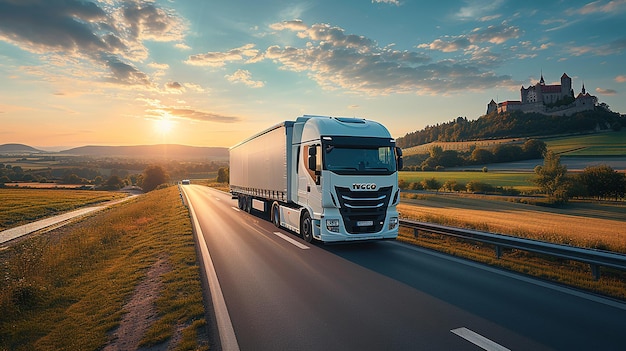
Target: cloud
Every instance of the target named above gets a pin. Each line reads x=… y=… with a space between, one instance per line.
x=335 y=60
x=157 y=110
x=195 y=115
x=614 y=47
x=174 y=87
x=455 y=44
x=244 y=77
x=477 y=9
x=497 y=34
x=621 y=79
x=105 y=34
x=219 y=59
x=610 y=7
x=391 y=2
x=606 y=91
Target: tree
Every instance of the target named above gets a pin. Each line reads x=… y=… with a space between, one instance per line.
x=114 y=183
x=603 y=182
x=552 y=178
x=153 y=176
x=431 y=184
x=534 y=148
x=223 y=175
x=481 y=156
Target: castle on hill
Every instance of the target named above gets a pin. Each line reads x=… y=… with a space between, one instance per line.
x=548 y=99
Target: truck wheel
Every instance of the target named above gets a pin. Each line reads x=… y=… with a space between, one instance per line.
x=306 y=227
x=240 y=202
x=276 y=215
x=248 y=204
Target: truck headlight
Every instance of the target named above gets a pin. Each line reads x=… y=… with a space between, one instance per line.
x=332 y=225
x=393 y=223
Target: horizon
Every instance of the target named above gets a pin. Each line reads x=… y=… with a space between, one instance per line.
x=127 y=73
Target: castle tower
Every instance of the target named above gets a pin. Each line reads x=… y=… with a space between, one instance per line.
x=492 y=107
x=566 y=86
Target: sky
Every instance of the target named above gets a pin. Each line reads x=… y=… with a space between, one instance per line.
x=211 y=73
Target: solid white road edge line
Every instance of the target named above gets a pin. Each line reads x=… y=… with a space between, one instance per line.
x=478 y=340
x=228 y=340
x=236 y=209
x=292 y=241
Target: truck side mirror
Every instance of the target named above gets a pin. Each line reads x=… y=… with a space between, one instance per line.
x=313 y=158
x=399 y=161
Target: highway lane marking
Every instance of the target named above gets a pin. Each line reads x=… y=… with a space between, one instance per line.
x=478 y=340
x=292 y=241
x=226 y=331
x=236 y=209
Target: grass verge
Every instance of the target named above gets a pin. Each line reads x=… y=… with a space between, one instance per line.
x=599 y=227
x=67 y=290
x=20 y=206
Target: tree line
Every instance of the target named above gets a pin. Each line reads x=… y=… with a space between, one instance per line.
x=594 y=182
x=438 y=159
x=108 y=174
x=514 y=124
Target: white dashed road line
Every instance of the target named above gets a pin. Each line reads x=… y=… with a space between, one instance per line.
x=292 y=241
x=478 y=340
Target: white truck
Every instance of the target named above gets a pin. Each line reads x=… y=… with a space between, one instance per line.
x=332 y=179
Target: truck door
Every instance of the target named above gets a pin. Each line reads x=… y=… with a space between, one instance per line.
x=309 y=179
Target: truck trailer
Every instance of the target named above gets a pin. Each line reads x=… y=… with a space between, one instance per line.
x=331 y=179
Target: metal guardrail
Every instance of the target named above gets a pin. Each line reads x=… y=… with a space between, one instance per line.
x=595 y=258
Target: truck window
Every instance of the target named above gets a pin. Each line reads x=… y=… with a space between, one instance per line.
x=363 y=160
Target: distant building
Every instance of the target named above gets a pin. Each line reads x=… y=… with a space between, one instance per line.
x=548 y=99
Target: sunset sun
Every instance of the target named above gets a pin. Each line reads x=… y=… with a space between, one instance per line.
x=164 y=126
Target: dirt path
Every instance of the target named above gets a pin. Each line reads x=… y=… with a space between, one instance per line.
x=141 y=312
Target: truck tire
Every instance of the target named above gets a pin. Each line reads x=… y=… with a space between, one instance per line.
x=248 y=204
x=240 y=202
x=306 y=227
x=275 y=214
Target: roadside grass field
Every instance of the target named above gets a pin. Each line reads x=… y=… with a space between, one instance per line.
x=518 y=180
x=20 y=206
x=69 y=289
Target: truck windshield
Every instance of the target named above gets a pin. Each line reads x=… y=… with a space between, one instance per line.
x=360 y=160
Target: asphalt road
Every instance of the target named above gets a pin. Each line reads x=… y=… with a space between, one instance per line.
x=284 y=294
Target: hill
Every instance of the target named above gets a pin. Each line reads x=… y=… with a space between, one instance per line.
x=18 y=149
x=162 y=151
x=514 y=125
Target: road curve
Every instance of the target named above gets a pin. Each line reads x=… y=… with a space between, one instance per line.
x=285 y=294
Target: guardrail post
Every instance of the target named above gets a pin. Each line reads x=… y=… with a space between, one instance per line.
x=416 y=233
x=595 y=270
x=498 y=251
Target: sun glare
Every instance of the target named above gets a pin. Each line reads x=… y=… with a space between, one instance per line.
x=164 y=126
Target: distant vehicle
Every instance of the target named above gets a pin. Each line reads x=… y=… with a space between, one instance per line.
x=326 y=178
x=186 y=182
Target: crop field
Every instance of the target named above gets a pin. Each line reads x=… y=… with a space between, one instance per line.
x=19 y=206
x=591 y=225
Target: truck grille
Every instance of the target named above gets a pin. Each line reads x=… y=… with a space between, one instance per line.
x=363 y=211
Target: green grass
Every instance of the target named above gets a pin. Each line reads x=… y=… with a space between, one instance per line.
x=66 y=290
x=520 y=180
x=20 y=206
x=600 y=144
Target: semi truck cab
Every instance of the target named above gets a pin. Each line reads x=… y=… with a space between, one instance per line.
x=348 y=179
